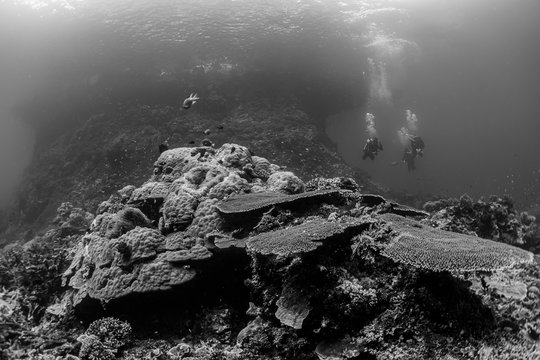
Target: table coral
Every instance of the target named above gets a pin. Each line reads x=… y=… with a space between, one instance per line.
x=255 y=203
x=302 y=238
x=425 y=247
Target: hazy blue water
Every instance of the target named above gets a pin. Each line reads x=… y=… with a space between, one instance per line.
x=468 y=69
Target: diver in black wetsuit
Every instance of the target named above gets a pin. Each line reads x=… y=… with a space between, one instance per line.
x=372 y=148
x=408 y=157
x=417 y=145
x=415 y=148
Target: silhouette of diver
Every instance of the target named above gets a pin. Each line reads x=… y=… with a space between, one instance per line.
x=408 y=157
x=372 y=148
x=417 y=145
x=415 y=148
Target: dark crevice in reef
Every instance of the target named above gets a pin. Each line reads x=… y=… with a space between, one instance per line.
x=450 y=305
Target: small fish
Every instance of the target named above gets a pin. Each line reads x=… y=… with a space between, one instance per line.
x=207 y=132
x=163 y=147
x=192 y=99
x=207 y=142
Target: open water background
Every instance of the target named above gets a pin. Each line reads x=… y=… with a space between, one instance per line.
x=469 y=70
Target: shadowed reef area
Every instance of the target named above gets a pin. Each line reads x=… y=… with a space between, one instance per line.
x=220 y=252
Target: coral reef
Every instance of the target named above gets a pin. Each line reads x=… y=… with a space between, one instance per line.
x=35 y=323
x=72 y=220
x=126 y=253
x=256 y=203
x=106 y=335
x=438 y=250
x=286 y=182
x=495 y=219
x=213 y=258
x=302 y=238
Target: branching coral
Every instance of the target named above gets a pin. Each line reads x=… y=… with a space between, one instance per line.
x=93 y=349
x=113 y=333
x=35 y=270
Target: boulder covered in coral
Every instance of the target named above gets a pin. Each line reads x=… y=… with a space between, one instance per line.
x=159 y=236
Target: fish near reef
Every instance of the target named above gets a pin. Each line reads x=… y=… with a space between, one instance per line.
x=189 y=101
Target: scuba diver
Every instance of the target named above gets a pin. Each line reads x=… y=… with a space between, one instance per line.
x=408 y=158
x=417 y=145
x=414 y=146
x=372 y=148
